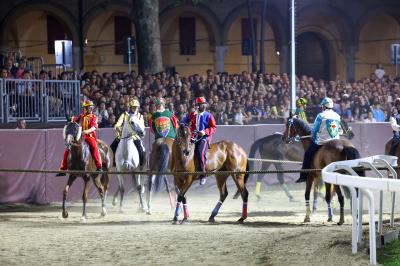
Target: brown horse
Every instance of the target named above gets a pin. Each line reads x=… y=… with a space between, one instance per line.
x=221 y=156
x=159 y=161
x=80 y=159
x=332 y=151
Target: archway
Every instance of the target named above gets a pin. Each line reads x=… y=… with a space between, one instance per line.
x=313 y=58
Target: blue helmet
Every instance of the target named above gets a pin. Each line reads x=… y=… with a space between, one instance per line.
x=327 y=103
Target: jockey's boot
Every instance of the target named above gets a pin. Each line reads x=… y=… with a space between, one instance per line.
x=61 y=174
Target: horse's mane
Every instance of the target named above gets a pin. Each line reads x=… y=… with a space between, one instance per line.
x=303 y=126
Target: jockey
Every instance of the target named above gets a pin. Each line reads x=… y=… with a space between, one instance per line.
x=134 y=106
x=89 y=126
x=163 y=123
x=395 y=123
x=326 y=127
x=203 y=126
x=301 y=105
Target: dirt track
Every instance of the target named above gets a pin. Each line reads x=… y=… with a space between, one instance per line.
x=272 y=235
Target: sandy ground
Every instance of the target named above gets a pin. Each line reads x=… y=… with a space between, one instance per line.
x=274 y=234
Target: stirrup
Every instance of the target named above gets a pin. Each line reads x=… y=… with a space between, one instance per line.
x=203 y=180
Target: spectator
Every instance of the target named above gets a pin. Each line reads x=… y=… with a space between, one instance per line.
x=379 y=71
x=370 y=118
x=378 y=113
x=21 y=124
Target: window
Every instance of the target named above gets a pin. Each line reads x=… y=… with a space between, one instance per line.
x=246 y=35
x=187 y=36
x=55 y=31
x=123 y=29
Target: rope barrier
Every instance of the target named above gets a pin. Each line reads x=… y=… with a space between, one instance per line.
x=273 y=161
x=8 y=170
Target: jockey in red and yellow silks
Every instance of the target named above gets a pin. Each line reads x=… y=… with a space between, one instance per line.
x=88 y=122
x=203 y=127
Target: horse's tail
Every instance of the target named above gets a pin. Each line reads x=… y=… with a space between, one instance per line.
x=351 y=153
x=253 y=150
x=162 y=163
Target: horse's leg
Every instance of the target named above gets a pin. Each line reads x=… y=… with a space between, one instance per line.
x=309 y=183
x=341 y=202
x=316 y=193
x=223 y=193
x=281 y=180
x=169 y=191
x=178 y=186
x=71 y=180
x=139 y=190
x=328 y=198
x=183 y=190
x=151 y=179
x=85 y=197
x=239 y=181
x=106 y=183
x=121 y=190
x=99 y=186
x=264 y=166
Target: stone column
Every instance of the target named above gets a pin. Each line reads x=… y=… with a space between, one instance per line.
x=76 y=58
x=219 y=58
x=350 y=55
x=284 y=56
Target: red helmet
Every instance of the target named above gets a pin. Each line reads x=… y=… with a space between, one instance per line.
x=200 y=100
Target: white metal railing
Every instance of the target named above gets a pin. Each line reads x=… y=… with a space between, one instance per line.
x=365 y=185
x=38 y=100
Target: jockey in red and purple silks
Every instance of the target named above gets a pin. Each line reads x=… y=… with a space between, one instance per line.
x=203 y=126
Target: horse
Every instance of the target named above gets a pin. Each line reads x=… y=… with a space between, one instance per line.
x=274 y=148
x=332 y=151
x=221 y=156
x=80 y=159
x=159 y=161
x=127 y=159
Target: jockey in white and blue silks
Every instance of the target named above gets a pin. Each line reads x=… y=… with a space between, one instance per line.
x=326 y=127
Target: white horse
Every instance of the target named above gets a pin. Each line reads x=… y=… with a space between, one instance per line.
x=127 y=159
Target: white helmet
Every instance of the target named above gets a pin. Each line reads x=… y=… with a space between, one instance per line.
x=327 y=103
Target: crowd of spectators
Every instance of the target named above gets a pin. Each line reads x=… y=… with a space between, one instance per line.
x=239 y=99
x=234 y=99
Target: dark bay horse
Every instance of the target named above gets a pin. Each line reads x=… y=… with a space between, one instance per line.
x=221 y=156
x=159 y=161
x=332 y=151
x=272 y=147
x=80 y=159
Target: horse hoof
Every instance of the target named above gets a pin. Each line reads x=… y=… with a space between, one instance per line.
x=211 y=220
x=121 y=210
x=65 y=214
x=258 y=197
x=307 y=220
x=291 y=199
x=314 y=211
x=330 y=220
x=175 y=220
x=185 y=221
x=241 y=220
x=104 y=212
x=83 y=220
x=148 y=212
x=114 y=202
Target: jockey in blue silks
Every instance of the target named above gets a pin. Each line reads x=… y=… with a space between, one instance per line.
x=203 y=127
x=327 y=126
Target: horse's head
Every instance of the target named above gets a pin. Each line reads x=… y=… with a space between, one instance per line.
x=184 y=140
x=290 y=132
x=295 y=129
x=72 y=133
x=135 y=125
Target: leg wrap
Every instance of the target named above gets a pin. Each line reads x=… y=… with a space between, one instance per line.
x=216 y=209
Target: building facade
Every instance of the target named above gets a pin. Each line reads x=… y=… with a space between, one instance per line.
x=345 y=38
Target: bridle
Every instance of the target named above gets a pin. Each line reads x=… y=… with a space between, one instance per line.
x=296 y=137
